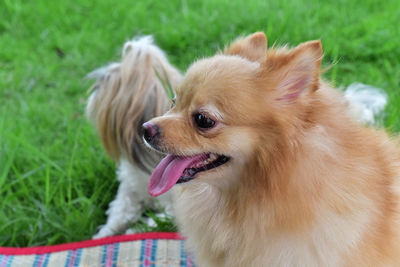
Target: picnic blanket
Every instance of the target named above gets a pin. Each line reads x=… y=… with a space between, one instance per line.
x=144 y=249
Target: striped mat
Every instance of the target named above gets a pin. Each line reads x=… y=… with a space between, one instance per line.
x=142 y=250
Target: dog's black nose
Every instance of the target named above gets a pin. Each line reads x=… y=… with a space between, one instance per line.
x=150 y=132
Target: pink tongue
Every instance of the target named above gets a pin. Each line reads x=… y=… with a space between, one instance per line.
x=168 y=172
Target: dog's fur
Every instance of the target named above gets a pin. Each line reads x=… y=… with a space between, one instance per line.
x=125 y=95
x=306 y=184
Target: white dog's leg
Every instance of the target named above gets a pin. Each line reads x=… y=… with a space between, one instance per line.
x=129 y=204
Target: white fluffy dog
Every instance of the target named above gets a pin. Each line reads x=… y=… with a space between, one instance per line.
x=124 y=96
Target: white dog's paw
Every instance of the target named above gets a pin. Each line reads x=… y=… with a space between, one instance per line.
x=130 y=231
x=150 y=222
x=104 y=232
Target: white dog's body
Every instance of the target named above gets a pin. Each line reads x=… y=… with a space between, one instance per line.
x=124 y=96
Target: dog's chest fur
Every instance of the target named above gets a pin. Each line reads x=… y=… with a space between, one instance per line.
x=219 y=241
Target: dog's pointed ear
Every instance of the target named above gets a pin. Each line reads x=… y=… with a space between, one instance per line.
x=252 y=47
x=297 y=71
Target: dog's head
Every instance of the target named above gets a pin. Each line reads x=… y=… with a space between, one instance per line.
x=125 y=95
x=232 y=110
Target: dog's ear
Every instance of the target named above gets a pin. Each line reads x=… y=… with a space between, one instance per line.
x=252 y=47
x=297 y=71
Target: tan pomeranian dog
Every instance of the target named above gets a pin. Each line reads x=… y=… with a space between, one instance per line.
x=272 y=168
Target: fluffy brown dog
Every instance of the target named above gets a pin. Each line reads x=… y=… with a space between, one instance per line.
x=274 y=171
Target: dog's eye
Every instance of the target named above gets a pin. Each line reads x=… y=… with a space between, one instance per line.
x=202 y=121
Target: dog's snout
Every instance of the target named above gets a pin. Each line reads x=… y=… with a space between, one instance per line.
x=150 y=132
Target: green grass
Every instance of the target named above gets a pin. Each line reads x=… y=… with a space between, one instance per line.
x=55 y=179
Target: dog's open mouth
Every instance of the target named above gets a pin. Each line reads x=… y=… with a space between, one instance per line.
x=175 y=169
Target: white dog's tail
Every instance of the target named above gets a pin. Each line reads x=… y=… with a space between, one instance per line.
x=367 y=103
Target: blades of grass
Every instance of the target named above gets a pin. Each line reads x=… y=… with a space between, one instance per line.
x=160 y=79
x=21 y=180
x=163 y=224
x=170 y=89
x=34 y=151
x=2 y=119
x=32 y=172
x=335 y=55
x=47 y=187
x=71 y=162
x=7 y=224
x=54 y=239
x=8 y=165
x=22 y=188
x=165 y=84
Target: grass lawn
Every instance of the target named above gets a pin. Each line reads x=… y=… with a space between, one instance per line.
x=55 y=179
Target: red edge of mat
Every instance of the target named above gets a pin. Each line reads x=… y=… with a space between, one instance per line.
x=88 y=243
